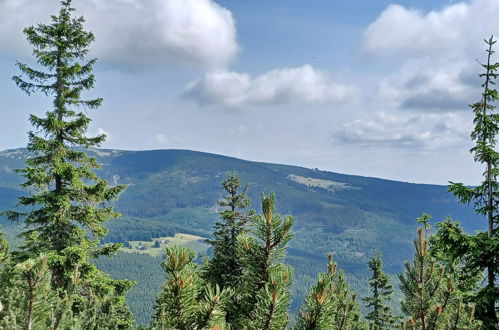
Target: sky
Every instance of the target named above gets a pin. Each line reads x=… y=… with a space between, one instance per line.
x=366 y=87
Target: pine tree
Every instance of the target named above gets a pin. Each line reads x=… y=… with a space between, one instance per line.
x=329 y=304
x=65 y=201
x=480 y=252
x=431 y=301
x=263 y=296
x=380 y=316
x=186 y=302
x=225 y=268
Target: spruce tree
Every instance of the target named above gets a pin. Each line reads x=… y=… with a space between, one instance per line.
x=480 y=252
x=380 y=315
x=226 y=268
x=329 y=304
x=64 y=194
x=65 y=206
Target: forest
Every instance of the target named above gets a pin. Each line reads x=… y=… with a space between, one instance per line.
x=53 y=276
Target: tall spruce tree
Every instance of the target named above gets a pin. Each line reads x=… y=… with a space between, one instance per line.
x=329 y=304
x=380 y=315
x=480 y=252
x=64 y=209
x=226 y=267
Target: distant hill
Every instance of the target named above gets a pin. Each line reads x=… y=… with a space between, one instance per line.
x=175 y=191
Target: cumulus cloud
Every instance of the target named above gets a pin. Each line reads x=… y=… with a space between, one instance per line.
x=279 y=86
x=454 y=27
x=135 y=32
x=423 y=85
x=422 y=131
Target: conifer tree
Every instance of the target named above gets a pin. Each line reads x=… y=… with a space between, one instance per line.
x=186 y=302
x=64 y=193
x=263 y=295
x=226 y=268
x=380 y=316
x=480 y=252
x=329 y=304
x=431 y=301
x=65 y=201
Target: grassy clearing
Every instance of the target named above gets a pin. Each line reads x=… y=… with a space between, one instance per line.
x=320 y=183
x=156 y=246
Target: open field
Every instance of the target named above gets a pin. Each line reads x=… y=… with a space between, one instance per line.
x=156 y=246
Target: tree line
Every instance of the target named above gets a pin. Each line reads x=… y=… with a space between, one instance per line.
x=50 y=281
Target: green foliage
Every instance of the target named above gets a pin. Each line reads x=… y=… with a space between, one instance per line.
x=329 y=304
x=4 y=249
x=481 y=251
x=431 y=301
x=52 y=281
x=185 y=301
x=226 y=267
x=262 y=297
x=30 y=302
x=145 y=271
x=354 y=223
x=380 y=316
x=64 y=194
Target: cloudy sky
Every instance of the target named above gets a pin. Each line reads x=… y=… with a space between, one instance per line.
x=369 y=87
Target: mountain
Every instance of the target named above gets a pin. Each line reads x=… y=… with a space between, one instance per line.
x=176 y=191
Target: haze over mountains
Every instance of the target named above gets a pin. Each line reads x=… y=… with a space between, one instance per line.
x=176 y=191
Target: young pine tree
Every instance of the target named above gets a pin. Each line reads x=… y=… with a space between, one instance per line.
x=431 y=301
x=329 y=304
x=380 y=315
x=65 y=209
x=263 y=294
x=186 y=302
x=226 y=268
x=480 y=251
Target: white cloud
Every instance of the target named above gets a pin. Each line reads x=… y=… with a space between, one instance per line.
x=431 y=86
x=279 y=86
x=453 y=28
x=421 y=131
x=135 y=32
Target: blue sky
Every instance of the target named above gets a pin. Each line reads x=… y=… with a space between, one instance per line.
x=368 y=87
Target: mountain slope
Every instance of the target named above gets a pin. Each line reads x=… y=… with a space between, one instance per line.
x=175 y=191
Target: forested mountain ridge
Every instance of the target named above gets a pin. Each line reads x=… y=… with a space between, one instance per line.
x=176 y=191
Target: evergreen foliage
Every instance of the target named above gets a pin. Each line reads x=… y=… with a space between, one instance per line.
x=480 y=252
x=51 y=282
x=262 y=298
x=186 y=302
x=431 y=301
x=380 y=316
x=64 y=193
x=226 y=268
x=329 y=304
x=64 y=210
